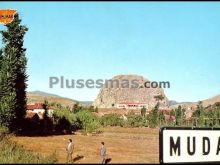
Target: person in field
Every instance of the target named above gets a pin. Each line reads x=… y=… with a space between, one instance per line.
x=103 y=153
x=69 y=150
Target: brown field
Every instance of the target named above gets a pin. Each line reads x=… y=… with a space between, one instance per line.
x=124 y=145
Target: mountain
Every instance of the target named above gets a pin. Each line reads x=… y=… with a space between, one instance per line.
x=39 y=96
x=86 y=103
x=205 y=103
x=44 y=94
x=173 y=102
x=176 y=103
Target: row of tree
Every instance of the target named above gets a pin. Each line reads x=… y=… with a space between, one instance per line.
x=207 y=116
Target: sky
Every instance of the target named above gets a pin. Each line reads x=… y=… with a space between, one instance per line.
x=177 y=42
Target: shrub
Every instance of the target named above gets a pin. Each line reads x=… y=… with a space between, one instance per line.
x=3 y=130
x=112 y=119
x=135 y=121
x=89 y=122
x=65 y=121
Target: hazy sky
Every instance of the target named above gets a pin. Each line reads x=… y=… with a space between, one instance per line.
x=162 y=41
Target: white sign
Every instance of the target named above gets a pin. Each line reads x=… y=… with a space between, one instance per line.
x=189 y=145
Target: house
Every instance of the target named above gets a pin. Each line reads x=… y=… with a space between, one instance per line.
x=131 y=105
x=169 y=117
x=37 y=108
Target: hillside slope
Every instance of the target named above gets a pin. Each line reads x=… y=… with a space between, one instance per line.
x=38 y=96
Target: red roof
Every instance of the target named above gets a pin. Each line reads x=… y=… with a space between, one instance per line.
x=131 y=103
x=35 y=106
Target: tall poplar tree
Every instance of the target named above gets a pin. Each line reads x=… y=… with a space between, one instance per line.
x=13 y=76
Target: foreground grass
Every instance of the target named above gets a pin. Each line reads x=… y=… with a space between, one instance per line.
x=124 y=145
x=11 y=152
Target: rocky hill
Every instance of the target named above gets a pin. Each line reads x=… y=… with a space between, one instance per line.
x=110 y=96
x=211 y=100
x=205 y=103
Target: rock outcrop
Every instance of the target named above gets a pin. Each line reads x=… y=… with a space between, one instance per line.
x=110 y=96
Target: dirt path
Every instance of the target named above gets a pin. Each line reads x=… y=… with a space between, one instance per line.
x=124 y=145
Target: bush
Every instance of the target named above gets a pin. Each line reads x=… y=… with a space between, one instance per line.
x=89 y=122
x=65 y=121
x=3 y=130
x=136 y=121
x=112 y=119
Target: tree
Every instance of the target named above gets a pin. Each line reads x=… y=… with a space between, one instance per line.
x=161 y=118
x=76 y=107
x=47 y=122
x=1 y=76
x=143 y=111
x=217 y=104
x=179 y=115
x=89 y=121
x=200 y=108
x=1 y=59
x=159 y=97
x=96 y=109
x=199 y=114
x=153 y=116
x=13 y=75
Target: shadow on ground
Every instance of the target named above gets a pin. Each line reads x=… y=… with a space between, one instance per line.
x=108 y=160
x=78 y=157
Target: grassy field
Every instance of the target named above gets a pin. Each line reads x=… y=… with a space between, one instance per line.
x=11 y=152
x=124 y=145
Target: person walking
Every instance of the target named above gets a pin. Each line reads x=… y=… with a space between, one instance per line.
x=103 y=153
x=69 y=150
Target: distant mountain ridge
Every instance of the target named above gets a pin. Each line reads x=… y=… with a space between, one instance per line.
x=43 y=93
x=40 y=96
x=206 y=102
x=173 y=102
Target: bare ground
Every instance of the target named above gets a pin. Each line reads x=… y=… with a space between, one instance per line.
x=124 y=145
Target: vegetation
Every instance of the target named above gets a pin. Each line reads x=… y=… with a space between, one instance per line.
x=89 y=122
x=84 y=118
x=66 y=120
x=179 y=115
x=143 y=111
x=112 y=119
x=207 y=116
x=153 y=116
x=11 y=152
x=13 y=76
x=135 y=120
x=159 y=97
